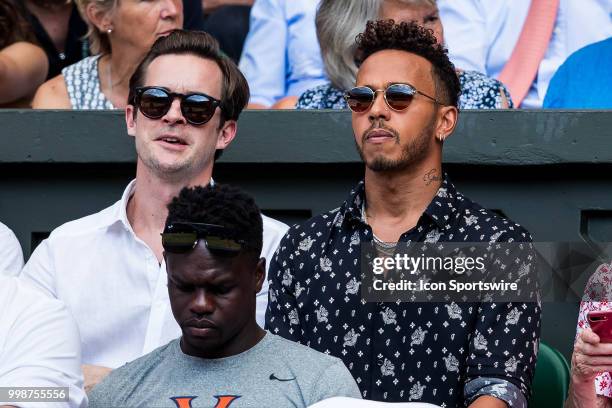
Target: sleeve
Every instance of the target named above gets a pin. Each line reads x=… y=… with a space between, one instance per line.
x=11 y=255
x=597 y=297
x=557 y=89
x=263 y=59
x=506 y=338
x=465 y=33
x=335 y=381
x=102 y=394
x=44 y=351
x=282 y=317
x=496 y=387
x=40 y=270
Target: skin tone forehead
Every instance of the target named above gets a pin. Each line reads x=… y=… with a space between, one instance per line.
x=185 y=73
x=199 y=266
x=376 y=73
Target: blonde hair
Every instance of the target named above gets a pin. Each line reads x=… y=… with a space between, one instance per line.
x=338 y=23
x=98 y=40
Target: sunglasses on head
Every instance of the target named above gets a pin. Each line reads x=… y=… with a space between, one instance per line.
x=154 y=102
x=182 y=237
x=397 y=97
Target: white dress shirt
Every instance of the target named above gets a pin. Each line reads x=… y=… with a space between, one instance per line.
x=11 y=256
x=39 y=344
x=113 y=284
x=481 y=35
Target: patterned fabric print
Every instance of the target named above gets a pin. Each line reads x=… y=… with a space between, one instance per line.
x=478 y=91
x=83 y=84
x=597 y=297
x=403 y=351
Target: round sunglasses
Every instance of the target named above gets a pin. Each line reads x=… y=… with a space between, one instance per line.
x=397 y=97
x=154 y=102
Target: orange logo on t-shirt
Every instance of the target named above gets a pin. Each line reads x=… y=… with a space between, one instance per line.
x=223 y=401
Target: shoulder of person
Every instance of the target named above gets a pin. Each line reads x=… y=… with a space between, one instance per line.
x=271 y=225
x=477 y=77
x=123 y=381
x=506 y=229
x=52 y=94
x=303 y=234
x=87 y=225
x=315 y=361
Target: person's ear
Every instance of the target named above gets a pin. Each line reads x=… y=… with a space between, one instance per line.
x=260 y=274
x=130 y=119
x=226 y=134
x=446 y=122
x=99 y=18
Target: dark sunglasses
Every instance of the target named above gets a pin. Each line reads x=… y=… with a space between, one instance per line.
x=154 y=102
x=397 y=97
x=182 y=237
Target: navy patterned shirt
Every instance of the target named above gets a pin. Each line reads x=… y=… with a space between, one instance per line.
x=478 y=91
x=447 y=354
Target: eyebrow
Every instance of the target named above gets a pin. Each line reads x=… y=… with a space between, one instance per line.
x=385 y=85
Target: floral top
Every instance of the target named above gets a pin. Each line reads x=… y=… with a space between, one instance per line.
x=597 y=297
x=442 y=353
x=478 y=91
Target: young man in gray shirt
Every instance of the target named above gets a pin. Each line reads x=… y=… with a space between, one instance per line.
x=212 y=242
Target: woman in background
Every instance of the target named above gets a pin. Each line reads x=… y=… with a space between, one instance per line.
x=120 y=34
x=591 y=381
x=23 y=64
x=338 y=24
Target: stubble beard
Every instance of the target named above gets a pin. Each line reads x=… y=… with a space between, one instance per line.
x=414 y=151
x=183 y=170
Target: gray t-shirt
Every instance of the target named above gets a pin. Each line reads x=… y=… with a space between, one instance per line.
x=274 y=373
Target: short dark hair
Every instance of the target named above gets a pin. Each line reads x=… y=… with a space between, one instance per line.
x=408 y=36
x=224 y=205
x=234 y=90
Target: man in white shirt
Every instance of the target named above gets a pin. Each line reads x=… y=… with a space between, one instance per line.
x=185 y=99
x=39 y=345
x=481 y=35
x=11 y=255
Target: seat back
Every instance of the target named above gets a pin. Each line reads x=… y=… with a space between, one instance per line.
x=551 y=381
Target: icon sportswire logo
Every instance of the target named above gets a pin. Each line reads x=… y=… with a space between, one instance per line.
x=223 y=401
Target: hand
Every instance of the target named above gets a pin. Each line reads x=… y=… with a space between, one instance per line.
x=93 y=375
x=590 y=358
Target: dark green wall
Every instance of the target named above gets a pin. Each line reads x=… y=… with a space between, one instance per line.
x=549 y=171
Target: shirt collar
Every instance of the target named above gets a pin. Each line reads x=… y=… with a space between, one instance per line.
x=121 y=211
x=440 y=210
x=121 y=214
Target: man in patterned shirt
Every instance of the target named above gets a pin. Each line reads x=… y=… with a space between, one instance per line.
x=450 y=354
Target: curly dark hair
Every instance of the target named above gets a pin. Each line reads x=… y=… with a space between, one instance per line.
x=13 y=25
x=408 y=36
x=223 y=205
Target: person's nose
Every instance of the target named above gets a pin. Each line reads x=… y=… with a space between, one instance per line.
x=202 y=303
x=379 y=108
x=170 y=9
x=174 y=114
